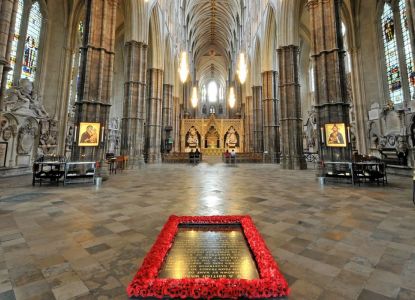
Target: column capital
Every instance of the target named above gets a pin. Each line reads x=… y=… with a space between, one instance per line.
x=113 y=2
x=136 y=44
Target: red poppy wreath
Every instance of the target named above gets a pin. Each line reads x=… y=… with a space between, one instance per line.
x=270 y=283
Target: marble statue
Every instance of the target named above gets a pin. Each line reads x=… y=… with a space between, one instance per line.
x=48 y=137
x=24 y=100
x=26 y=139
x=231 y=138
x=193 y=139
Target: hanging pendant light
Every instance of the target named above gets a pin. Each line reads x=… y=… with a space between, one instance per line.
x=242 y=68
x=194 y=97
x=232 y=99
x=183 y=67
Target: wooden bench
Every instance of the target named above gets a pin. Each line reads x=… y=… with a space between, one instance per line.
x=244 y=157
x=180 y=157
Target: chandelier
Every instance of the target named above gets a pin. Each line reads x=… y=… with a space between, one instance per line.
x=194 y=97
x=242 y=70
x=183 y=67
x=232 y=99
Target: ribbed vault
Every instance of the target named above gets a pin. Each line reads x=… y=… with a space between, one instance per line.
x=212 y=35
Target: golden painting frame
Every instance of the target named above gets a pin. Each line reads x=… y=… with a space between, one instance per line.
x=89 y=134
x=336 y=135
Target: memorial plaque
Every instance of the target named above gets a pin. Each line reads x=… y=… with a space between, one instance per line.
x=208 y=257
x=209 y=251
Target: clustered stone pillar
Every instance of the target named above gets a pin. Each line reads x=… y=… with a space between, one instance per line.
x=8 y=10
x=186 y=94
x=270 y=116
x=176 y=126
x=167 y=114
x=258 y=123
x=249 y=123
x=330 y=77
x=97 y=69
x=154 y=118
x=291 y=122
x=132 y=139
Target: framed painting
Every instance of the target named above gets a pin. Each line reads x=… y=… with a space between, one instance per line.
x=336 y=135
x=89 y=134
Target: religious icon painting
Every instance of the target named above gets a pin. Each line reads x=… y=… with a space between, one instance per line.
x=336 y=135
x=88 y=134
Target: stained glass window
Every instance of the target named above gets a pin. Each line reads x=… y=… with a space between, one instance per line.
x=213 y=91
x=204 y=98
x=76 y=64
x=31 y=47
x=391 y=55
x=221 y=93
x=348 y=61
x=15 y=41
x=407 y=47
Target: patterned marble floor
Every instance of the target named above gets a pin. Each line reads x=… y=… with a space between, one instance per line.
x=83 y=242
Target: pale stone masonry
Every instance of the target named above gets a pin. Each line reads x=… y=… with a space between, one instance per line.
x=7 y=20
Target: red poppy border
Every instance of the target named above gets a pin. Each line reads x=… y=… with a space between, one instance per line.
x=271 y=283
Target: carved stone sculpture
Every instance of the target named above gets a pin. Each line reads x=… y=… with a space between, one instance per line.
x=193 y=139
x=48 y=137
x=25 y=101
x=231 y=138
x=25 y=139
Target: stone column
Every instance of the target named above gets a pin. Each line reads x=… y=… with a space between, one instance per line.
x=176 y=127
x=270 y=116
x=258 y=122
x=167 y=128
x=249 y=124
x=330 y=77
x=132 y=135
x=154 y=102
x=186 y=94
x=291 y=122
x=8 y=9
x=96 y=74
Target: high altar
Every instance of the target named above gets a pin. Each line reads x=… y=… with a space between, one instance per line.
x=212 y=136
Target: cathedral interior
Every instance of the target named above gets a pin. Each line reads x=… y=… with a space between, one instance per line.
x=313 y=100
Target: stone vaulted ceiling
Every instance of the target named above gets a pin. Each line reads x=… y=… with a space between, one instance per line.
x=212 y=33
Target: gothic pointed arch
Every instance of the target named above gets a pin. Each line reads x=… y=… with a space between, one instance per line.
x=257 y=66
x=156 y=41
x=269 y=44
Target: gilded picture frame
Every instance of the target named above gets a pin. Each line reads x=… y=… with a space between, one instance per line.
x=89 y=134
x=336 y=135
